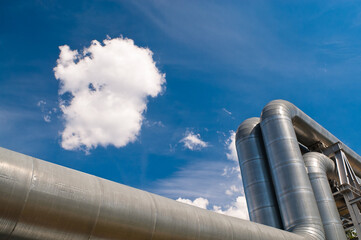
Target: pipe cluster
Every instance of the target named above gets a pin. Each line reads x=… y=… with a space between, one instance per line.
x=288 y=194
x=295 y=188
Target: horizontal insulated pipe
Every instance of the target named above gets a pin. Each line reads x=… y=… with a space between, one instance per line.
x=257 y=182
x=318 y=168
x=309 y=132
x=41 y=200
x=293 y=189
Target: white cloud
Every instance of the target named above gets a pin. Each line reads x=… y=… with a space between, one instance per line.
x=193 y=141
x=231 y=147
x=47 y=114
x=236 y=209
x=198 y=202
x=217 y=182
x=47 y=118
x=226 y=111
x=204 y=180
x=108 y=84
x=41 y=103
x=232 y=190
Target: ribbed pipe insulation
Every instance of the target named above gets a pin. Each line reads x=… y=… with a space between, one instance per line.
x=320 y=168
x=40 y=200
x=256 y=178
x=296 y=201
x=308 y=131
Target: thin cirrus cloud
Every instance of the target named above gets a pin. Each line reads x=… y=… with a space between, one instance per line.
x=210 y=184
x=193 y=141
x=104 y=90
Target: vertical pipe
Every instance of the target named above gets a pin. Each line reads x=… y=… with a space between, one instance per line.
x=319 y=167
x=294 y=193
x=258 y=187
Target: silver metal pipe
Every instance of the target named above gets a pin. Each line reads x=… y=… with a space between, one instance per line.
x=293 y=189
x=256 y=178
x=309 y=132
x=318 y=168
x=41 y=200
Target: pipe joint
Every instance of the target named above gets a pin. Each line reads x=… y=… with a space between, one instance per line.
x=319 y=163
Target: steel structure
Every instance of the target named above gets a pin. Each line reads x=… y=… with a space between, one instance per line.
x=300 y=182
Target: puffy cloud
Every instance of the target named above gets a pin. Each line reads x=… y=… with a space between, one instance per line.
x=198 y=202
x=236 y=209
x=41 y=103
x=232 y=190
x=104 y=91
x=217 y=183
x=47 y=114
x=193 y=141
x=47 y=118
x=231 y=147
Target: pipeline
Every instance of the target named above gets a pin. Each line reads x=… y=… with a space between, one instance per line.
x=287 y=194
x=297 y=203
x=258 y=187
x=41 y=200
x=308 y=131
x=320 y=168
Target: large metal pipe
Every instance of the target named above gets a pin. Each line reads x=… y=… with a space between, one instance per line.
x=257 y=182
x=309 y=132
x=319 y=169
x=293 y=189
x=41 y=200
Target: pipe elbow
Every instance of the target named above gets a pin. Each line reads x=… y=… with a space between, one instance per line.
x=278 y=107
x=249 y=127
x=319 y=163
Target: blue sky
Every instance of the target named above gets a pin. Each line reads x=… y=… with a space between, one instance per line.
x=222 y=60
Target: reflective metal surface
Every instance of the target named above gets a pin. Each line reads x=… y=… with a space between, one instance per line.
x=257 y=182
x=308 y=131
x=318 y=167
x=293 y=189
x=41 y=200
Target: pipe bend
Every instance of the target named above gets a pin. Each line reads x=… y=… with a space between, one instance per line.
x=308 y=131
x=257 y=182
x=298 y=209
x=319 y=163
x=279 y=107
x=320 y=168
x=248 y=128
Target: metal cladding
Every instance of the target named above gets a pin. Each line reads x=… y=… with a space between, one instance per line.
x=41 y=200
x=308 y=131
x=257 y=182
x=293 y=189
x=318 y=167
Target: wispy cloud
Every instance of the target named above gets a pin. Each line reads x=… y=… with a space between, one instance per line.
x=251 y=40
x=233 y=190
x=198 y=202
x=226 y=111
x=215 y=185
x=105 y=89
x=199 y=179
x=231 y=147
x=193 y=141
x=47 y=113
